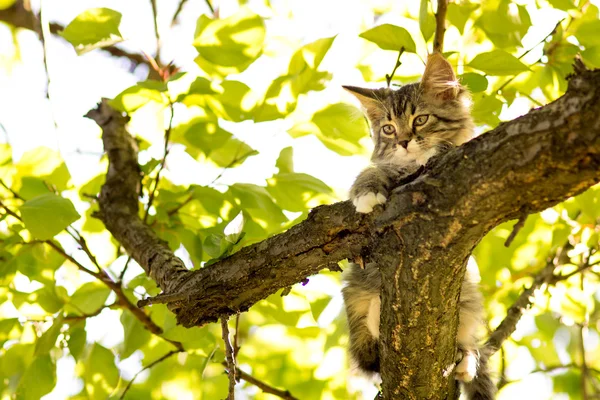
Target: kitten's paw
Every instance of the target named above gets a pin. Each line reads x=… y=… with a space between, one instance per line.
x=365 y=203
x=466 y=369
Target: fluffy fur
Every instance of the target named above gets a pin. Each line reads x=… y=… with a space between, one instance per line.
x=409 y=126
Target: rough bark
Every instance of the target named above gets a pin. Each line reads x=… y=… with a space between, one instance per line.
x=432 y=223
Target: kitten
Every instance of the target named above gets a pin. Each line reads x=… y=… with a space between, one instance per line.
x=409 y=126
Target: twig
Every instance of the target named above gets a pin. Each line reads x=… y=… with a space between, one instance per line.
x=231 y=368
x=178 y=11
x=388 y=78
x=9 y=211
x=514 y=313
x=156 y=34
x=162 y=163
x=81 y=242
x=162 y=299
x=236 y=347
x=15 y=194
x=440 y=26
x=528 y=51
x=516 y=228
x=283 y=394
x=124 y=269
x=152 y=364
x=212 y=10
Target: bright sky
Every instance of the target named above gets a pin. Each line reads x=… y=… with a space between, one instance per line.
x=77 y=84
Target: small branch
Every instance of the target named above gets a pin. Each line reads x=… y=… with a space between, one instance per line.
x=231 y=368
x=124 y=269
x=15 y=194
x=283 y=394
x=162 y=299
x=156 y=34
x=440 y=26
x=10 y=212
x=388 y=78
x=236 y=347
x=515 y=312
x=516 y=228
x=178 y=11
x=162 y=162
x=152 y=364
x=210 y=7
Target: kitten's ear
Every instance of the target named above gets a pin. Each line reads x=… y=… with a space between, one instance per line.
x=370 y=99
x=439 y=80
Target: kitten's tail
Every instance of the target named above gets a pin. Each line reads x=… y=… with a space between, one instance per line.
x=481 y=387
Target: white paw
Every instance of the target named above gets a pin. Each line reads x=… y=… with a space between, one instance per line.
x=365 y=203
x=467 y=367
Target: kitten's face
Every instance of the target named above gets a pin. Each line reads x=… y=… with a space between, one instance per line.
x=411 y=124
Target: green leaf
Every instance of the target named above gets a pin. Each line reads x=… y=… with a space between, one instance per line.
x=38 y=380
x=459 y=13
x=47 y=341
x=426 y=20
x=88 y=298
x=139 y=95
x=257 y=201
x=229 y=45
x=474 y=82
x=498 y=62
x=302 y=77
x=77 y=341
x=390 y=37
x=339 y=127
x=285 y=161
x=292 y=191
x=46 y=215
x=486 y=109
x=94 y=28
x=564 y=5
x=135 y=334
x=233 y=153
x=36 y=169
x=587 y=33
x=101 y=375
x=505 y=24
x=234 y=104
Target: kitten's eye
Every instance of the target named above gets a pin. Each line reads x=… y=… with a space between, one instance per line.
x=388 y=129
x=420 y=120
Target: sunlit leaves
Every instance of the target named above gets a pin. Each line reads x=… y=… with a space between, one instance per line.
x=139 y=95
x=258 y=203
x=48 y=214
x=88 y=298
x=293 y=190
x=47 y=341
x=97 y=27
x=38 y=171
x=504 y=23
x=302 y=76
x=498 y=62
x=475 y=82
x=231 y=44
x=135 y=334
x=101 y=375
x=390 y=37
x=426 y=20
x=459 y=13
x=39 y=379
x=339 y=127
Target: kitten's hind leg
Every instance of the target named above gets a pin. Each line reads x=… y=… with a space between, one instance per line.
x=466 y=367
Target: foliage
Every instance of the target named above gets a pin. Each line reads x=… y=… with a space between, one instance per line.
x=59 y=319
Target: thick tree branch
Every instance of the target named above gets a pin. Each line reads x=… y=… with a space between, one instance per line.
x=553 y=151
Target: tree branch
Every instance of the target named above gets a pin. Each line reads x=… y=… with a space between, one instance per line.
x=231 y=368
x=554 y=151
x=440 y=26
x=152 y=364
x=284 y=394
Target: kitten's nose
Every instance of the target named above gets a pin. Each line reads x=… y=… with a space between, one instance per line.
x=403 y=143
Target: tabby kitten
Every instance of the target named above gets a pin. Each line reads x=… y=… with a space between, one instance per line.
x=409 y=126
